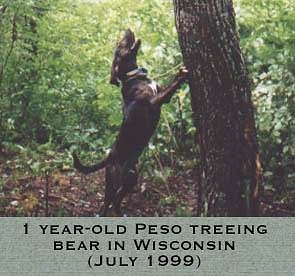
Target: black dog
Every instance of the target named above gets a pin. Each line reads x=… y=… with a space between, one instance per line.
x=142 y=99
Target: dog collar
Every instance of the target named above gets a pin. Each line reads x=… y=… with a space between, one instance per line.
x=133 y=74
x=138 y=70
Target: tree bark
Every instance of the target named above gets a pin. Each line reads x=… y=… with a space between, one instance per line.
x=230 y=170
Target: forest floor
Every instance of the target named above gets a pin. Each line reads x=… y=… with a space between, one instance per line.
x=69 y=193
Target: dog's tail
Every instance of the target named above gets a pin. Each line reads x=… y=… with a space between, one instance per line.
x=89 y=169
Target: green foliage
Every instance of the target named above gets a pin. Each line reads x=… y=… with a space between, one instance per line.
x=62 y=87
x=268 y=40
x=55 y=60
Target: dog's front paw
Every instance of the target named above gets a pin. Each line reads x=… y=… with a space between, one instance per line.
x=182 y=75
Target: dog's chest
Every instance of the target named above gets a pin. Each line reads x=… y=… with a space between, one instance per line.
x=140 y=90
x=153 y=85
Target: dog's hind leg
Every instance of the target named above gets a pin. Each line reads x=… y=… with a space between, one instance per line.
x=112 y=178
x=129 y=180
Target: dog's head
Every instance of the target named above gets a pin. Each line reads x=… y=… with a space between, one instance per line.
x=125 y=57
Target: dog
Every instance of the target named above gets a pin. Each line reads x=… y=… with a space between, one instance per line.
x=142 y=101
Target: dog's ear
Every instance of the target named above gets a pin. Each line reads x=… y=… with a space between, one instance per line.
x=114 y=81
x=114 y=75
x=136 y=46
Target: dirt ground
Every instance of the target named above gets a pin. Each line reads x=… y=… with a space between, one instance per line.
x=72 y=194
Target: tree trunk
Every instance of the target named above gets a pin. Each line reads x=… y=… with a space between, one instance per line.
x=230 y=170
